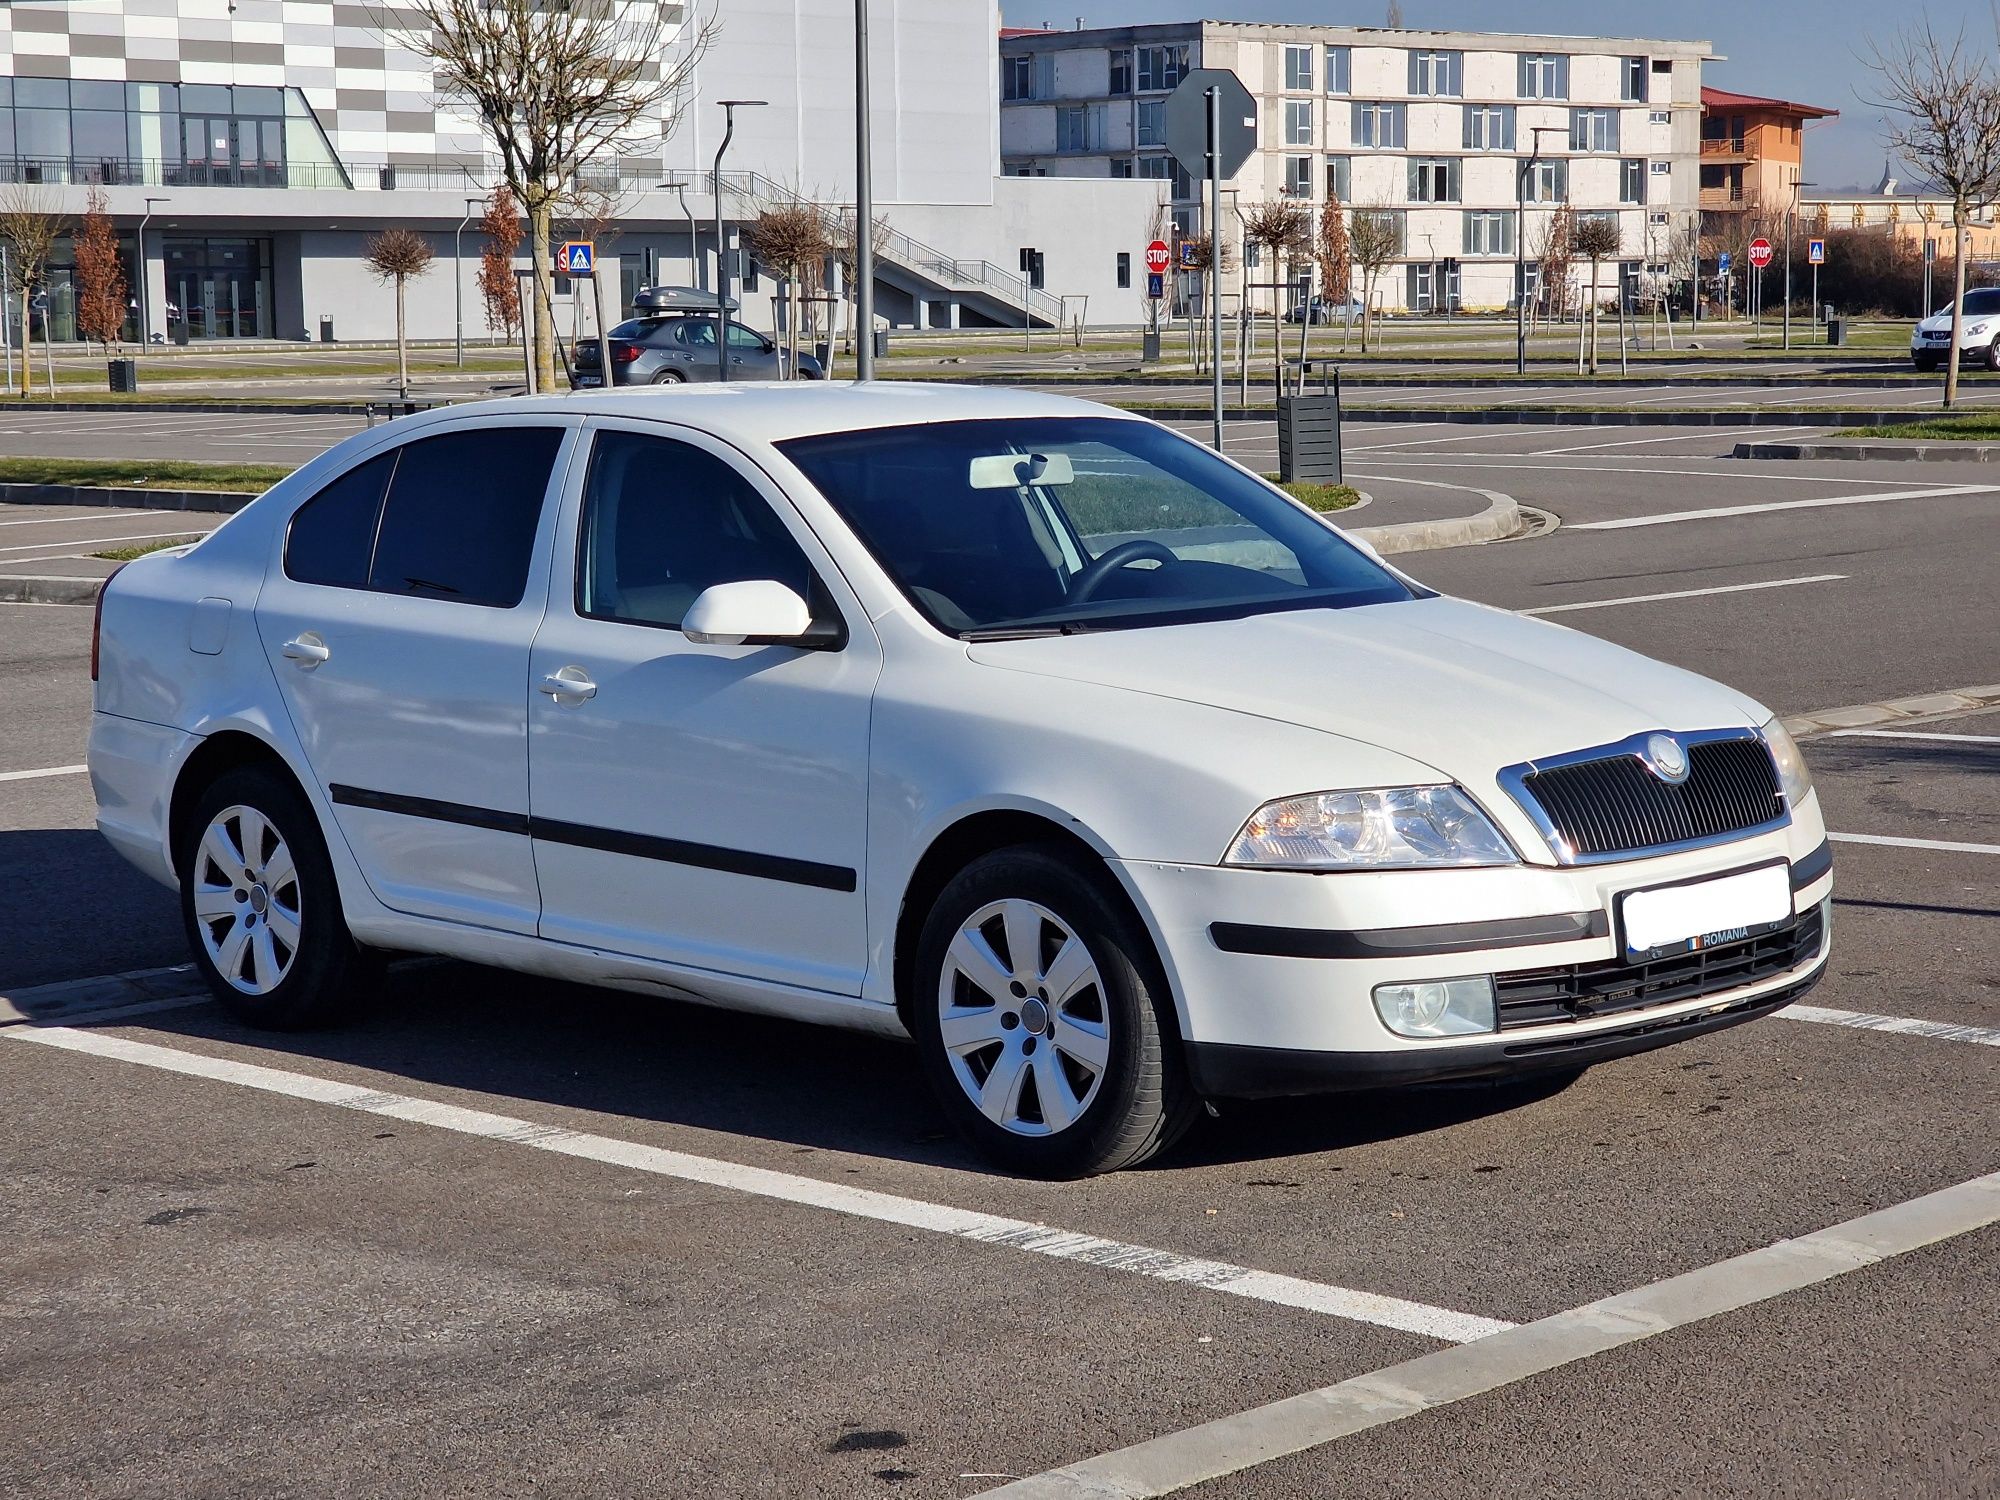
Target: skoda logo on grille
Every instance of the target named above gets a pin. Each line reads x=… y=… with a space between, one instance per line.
x=1666 y=758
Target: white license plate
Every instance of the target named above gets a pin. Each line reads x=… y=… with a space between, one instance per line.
x=1695 y=914
x=590 y=380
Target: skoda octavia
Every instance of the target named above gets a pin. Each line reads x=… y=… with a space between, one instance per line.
x=1027 y=729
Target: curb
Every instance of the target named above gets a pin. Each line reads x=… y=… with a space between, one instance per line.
x=1896 y=710
x=45 y=589
x=1937 y=453
x=1501 y=518
x=226 y=502
x=59 y=1004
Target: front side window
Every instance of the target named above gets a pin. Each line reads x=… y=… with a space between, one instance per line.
x=1298 y=122
x=1437 y=74
x=1543 y=75
x=1489 y=127
x=1593 y=130
x=1379 y=126
x=1338 y=62
x=664 y=520
x=1433 y=179
x=1056 y=525
x=459 y=522
x=1298 y=68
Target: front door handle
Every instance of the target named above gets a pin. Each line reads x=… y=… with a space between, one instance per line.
x=569 y=686
x=308 y=649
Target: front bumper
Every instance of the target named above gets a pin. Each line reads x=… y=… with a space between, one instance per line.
x=1273 y=972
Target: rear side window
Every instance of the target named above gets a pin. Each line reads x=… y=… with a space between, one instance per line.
x=460 y=519
x=332 y=539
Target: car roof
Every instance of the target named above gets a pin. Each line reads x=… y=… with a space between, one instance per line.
x=774 y=411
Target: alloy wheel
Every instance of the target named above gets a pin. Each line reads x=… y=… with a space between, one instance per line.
x=246 y=900
x=1023 y=1017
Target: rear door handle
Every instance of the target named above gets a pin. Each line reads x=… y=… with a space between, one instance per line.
x=568 y=685
x=308 y=649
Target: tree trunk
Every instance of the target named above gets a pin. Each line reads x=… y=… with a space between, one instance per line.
x=1958 y=241
x=402 y=348
x=27 y=350
x=1593 y=314
x=542 y=310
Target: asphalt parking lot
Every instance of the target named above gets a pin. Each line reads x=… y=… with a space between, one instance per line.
x=510 y=1237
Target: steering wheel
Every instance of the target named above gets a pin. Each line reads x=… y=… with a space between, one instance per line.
x=1093 y=577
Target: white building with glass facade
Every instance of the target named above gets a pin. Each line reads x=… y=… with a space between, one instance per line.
x=255 y=145
x=1444 y=132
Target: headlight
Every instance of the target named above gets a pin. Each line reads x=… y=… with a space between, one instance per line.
x=1792 y=773
x=1387 y=828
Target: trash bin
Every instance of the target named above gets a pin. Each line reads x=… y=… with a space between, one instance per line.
x=881 y=342
x=1309 y=432
x=326 y=330
x=1149 y=347
x=181 y=332
x=1836 y=332
x=823 y=352
x=124 y=376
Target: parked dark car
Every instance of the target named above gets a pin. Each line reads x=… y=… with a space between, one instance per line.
x=681 y=347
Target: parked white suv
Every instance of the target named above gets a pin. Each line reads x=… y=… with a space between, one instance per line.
x=1930 y=340
x=1026 y=728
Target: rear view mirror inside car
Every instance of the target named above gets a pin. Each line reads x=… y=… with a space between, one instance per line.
x=1008 y=471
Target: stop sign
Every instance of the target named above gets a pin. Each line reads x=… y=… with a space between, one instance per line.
x=1158 y=258
x=1760 y=252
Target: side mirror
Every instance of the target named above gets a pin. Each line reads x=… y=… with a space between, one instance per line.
x=728 y=614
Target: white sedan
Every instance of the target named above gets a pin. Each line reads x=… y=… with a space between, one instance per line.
x=1025 y=728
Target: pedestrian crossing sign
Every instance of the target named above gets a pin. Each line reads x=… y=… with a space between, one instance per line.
x=575 y=258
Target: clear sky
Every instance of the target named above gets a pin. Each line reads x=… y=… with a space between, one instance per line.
x=1794 y=49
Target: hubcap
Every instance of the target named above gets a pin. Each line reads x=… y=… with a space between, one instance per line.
x=1025 y=1023
x=246 y=900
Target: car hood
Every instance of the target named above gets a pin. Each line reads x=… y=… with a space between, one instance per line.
x=1459 y=687
x=1941 y=322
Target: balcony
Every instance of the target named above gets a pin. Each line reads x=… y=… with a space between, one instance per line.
x=1724 y=199
x=1724 y=148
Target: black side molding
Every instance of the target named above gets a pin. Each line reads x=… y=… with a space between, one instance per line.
x=1408 y=942
x=778 y=867
x=1813 y=867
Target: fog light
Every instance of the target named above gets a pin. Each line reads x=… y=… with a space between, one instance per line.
x=1437 y=1007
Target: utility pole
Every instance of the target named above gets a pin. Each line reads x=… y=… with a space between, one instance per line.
x=864 y=205
x=1214 y=98
x=458 y=285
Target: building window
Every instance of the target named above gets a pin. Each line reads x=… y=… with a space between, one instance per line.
x=1121 y=166
x=1073 y=132
x=1161 y=67
x=1434 y=179
x=1151 y=118
x=1631 y=181
x=1397 y=219
x=1017 y=78
x=1298 y=122
x=1338 y=62
x=1165 y=168
x=1593 y=130
x=1124 y=269
x=1380 y=126
x=1543 y=75
x=1437 y=74
x=1632 y=80
x=1337 y=170
x=1298 y=177
x=1660 y=117
x=1663 y=169
x=1298 y=69
x=1121 y=72
x=1489 y=127
x=1489 y=232
x=1547 y=180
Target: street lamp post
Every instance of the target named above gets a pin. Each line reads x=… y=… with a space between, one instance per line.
x=145 y=287
x=1521 y=245
x=458 y=282
x=864 y=205
x=1791 y=212
x=729 y=108
x=694 y=252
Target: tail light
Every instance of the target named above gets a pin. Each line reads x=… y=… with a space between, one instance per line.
x=97 y=619
x=625 y=353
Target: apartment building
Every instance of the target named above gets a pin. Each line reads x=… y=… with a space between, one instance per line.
x=1445 y=132
x=1752 y=157
x=246 y=150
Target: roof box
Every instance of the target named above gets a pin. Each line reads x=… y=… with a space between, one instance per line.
x=675 y=299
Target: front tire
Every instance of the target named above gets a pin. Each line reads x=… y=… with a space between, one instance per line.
x=1043 y=1021
x=261 y=906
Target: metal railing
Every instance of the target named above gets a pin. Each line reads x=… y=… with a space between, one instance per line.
x=1731 y=145
x=153 y=171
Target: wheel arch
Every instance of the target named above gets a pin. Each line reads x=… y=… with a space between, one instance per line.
x=221 y=752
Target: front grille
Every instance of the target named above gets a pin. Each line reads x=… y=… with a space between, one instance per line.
x=1578 y=992
x=1617 y=806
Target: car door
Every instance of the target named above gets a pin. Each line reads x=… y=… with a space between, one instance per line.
x=700 y=804
x=398 y=621
x=751 y=355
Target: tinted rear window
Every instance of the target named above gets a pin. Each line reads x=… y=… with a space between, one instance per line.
x=461 y=515
x=333 y=534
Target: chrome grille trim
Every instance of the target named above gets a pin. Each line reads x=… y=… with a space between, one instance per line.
x=1595 y=809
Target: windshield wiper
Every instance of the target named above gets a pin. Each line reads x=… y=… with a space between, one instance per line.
x=1013 y=633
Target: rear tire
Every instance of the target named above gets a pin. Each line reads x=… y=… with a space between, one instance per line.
x=262 y=909
x=1062 y=1060
x=669 y=377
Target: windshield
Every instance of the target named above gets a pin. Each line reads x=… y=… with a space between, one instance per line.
x=1041 y=525
x=1980 y=304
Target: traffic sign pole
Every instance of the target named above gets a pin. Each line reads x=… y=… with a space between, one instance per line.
x=1214 y=256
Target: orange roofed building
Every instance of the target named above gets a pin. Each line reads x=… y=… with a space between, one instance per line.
x=1752 y=152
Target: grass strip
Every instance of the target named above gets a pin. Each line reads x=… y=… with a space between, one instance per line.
x=142 y=473
x=126 y=554
x=1979 y=427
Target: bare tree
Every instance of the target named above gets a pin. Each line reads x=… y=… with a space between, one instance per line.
x=397 y=255
x=1596 y=239
x=1281 y=229
x=556 y=87
x=30 y=224
x=100 y=279
x=793 y=239
x=1943 y=101
x=1336 y=262
x=498 y=287
x=1393 y=18
x=846 y=254
x=1556 y=256
x=1375 y=236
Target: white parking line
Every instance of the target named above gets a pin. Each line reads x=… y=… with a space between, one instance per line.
x=1912 y=734
x=1985 y=1036
x=92 y=515
x=1726 y=588
x=45 y=771
x=1699 y=432
x=911 y=1213
x=1945 y=845
x=1247 y=1439
x=1670 y=517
